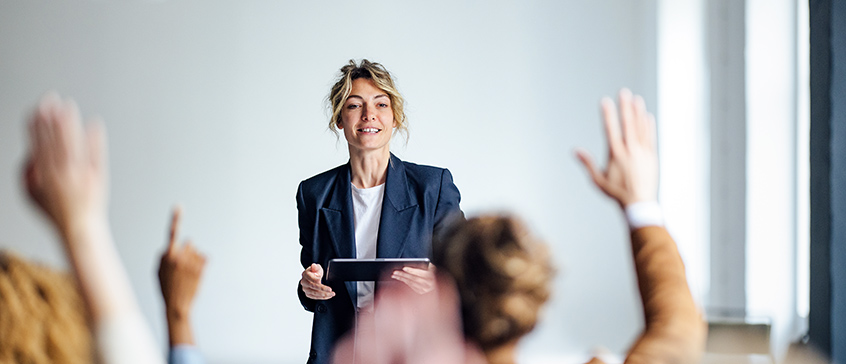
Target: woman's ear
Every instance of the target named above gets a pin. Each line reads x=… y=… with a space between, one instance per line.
x=339 y=124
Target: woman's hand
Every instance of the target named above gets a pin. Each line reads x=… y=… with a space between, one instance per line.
x=419 y=280
x=66 y=170
x=631 y=174
x=311 y=283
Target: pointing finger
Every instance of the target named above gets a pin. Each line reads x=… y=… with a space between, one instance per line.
x=174 y=228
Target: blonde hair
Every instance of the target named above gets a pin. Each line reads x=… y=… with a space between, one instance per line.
x=42 y=316
x=503 y=277
x=383 y=80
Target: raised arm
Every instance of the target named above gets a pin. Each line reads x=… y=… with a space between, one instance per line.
x=675 y=331
x=180 y=270
x=67 y=179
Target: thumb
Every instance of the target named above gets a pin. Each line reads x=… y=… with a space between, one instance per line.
x=587 y=161
x=315 y=268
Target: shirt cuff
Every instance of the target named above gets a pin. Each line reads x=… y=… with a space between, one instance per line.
x=643 y=214
x=184 y=354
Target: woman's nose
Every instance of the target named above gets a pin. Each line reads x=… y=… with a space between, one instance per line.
x=366 y=114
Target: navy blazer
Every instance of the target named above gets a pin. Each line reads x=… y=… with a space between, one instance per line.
x=418 y=201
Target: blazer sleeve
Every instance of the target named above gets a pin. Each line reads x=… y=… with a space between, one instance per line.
x=447 y=207
x=307 y=225
x=675 y=331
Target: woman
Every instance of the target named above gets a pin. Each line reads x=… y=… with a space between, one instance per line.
x=375 y=206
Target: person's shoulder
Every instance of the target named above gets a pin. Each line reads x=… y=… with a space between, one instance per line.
x=422 y=170
x=322 y=179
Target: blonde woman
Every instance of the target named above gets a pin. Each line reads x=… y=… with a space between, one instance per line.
x=374 y=206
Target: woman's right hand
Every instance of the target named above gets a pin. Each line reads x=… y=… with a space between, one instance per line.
x=312 y=287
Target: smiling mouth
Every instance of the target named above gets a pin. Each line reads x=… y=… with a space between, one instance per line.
x=369 y=130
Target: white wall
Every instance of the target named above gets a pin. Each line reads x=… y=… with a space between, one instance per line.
x=219 y=106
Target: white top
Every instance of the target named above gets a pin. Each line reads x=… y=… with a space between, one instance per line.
x=367 y=208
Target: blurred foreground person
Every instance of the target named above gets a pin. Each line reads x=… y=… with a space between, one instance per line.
x=180 y=270
x=42 y=317
x=503 y=275
x=66 y=177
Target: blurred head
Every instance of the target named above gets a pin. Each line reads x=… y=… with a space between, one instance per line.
x=42 y=316
x=381 y=80
x=503 y=275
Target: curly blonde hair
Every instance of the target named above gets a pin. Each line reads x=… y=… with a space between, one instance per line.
x=42 y=316
x=383 y=80
x=503 y=275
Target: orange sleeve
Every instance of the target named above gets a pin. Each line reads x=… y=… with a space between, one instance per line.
x=675 y=331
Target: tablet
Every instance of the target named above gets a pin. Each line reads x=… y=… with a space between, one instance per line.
x=348 y=269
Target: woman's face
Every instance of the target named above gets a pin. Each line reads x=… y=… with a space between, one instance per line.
x=367 y=117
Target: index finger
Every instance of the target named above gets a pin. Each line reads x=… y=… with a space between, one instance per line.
x=610 y=120
x=174 y=228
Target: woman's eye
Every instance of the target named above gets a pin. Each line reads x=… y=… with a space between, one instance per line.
x=352 y=106
x=383 y=105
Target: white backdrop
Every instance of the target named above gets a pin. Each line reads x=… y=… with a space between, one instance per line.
x=220 y=106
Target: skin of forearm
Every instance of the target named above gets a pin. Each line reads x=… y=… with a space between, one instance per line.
x=104 y=284
x=179 y=328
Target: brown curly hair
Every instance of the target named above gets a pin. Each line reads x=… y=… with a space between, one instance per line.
x=503 y=275
x=42 y=316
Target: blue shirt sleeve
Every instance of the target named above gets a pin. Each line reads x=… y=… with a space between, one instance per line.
x=185 y=354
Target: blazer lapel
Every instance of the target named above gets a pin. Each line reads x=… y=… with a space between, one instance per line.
x=397 y=212
x=340 y=222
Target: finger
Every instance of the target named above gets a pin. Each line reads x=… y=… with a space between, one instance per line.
x=651 y=132
x=95 y=135
x=316 y=268
x=611 y=123
x=308 y=281
x=417 y=284
x=43 y=128
x=641 y=118
x=68 y=131
x=175 y=217
x=316 y=285
x=30 y=177
x=317 y=294
x=593 y=171
x=71 y=125
x=627 y=116
x=33 y=133
x=316 y=277
x=423 y=273
x=197 y=259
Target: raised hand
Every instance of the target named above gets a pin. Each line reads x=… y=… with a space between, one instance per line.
x=66 y=169
x=631 y=174
x=311 y=283
x=180 y=271
x=66 y=177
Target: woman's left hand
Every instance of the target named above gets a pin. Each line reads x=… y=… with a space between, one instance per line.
x=419 y=280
